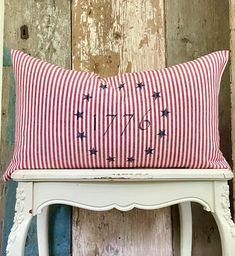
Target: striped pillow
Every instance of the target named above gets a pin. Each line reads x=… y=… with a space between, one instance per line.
x=165 y=118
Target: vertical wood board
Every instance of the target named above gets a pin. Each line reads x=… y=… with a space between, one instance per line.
x=111 y=37
x=232 y=77
x=195 y=28
x=115 y=233
x=48 y=23
x=1 y=71
x=7 y=139
x=46 y=35
x=2 y=5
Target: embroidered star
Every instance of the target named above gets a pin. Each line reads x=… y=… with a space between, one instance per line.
x=79 y=114
x=156 y=95
x=140 y=85
x=86 y=97
x=103 y=86
x=162 y=133
x=149 y=151
x=130 y=159
x=81 y=135
x=93 y=151
x=120 y=86
x=165 y=112
x=111 y=159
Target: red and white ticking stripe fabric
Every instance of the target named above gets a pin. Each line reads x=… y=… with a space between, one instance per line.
x=165 y=118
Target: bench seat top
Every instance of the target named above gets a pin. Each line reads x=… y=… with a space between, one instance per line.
x=138 y=174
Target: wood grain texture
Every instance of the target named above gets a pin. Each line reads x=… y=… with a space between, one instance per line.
x=48 y=37
x=195 y=28
x=232 y=77
x=2 y=9
x=111 y=37
x=2 y=5
x=114 y=233
x=48 y=23
x=7 y=129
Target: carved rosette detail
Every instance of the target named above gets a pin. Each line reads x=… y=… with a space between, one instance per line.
x=19 y=216
x=226 y=208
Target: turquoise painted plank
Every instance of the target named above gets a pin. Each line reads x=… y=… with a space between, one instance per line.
x=60 y=230
x=6 y=57
x=59 y=216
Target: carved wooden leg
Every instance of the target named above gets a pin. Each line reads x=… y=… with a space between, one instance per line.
x=185 y=229
x=42 y=232
x=22 y=219
x=223 y=218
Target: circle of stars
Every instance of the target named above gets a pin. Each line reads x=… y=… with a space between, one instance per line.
x=149 y=150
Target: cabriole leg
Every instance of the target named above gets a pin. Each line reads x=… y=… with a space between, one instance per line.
x=22 y=219
x=185 y=229
x=223 y=218
x=42 y=232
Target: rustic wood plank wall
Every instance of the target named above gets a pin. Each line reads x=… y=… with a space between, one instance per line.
x=195 y=28
x=41 y=28
x=110 y=37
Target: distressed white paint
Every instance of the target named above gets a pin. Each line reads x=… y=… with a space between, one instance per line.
x=123 y=174
x=141 y=26
x=33 y=197
x=143 y=42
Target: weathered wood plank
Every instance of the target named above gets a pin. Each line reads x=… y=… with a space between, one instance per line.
x=1 y=74
x=232 y=72
x=2 y=7
x=7 y=139
x=194 y=28
x=48 y=23
x=121 y=233
x=41 y=28
x=111 y=37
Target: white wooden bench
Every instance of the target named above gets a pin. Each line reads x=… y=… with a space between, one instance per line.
x=123 y=189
